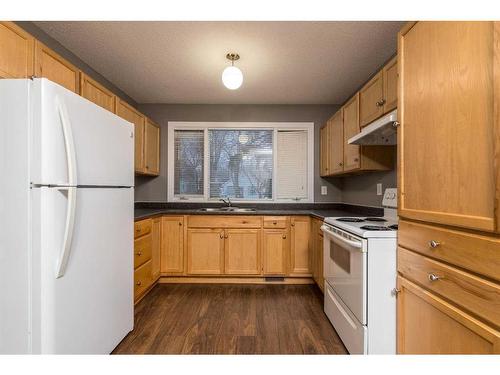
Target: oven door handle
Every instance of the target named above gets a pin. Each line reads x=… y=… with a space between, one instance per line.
x=341 y=241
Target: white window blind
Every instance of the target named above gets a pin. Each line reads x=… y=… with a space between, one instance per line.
x=188 y=162
x=291 y=173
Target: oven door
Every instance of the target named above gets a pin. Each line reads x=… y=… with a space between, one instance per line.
x=345 y=268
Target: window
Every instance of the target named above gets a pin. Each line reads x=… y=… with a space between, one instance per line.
x=270 y=162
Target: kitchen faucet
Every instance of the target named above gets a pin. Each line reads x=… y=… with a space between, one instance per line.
x=228 y=201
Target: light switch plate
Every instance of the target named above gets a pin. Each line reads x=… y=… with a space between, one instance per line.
x=324 y=190
x=379 y=189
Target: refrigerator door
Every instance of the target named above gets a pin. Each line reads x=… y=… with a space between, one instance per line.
x=85 y=307
x=76 y=142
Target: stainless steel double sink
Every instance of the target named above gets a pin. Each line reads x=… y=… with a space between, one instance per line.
x=227 y=209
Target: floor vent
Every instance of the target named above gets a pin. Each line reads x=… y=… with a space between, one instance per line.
x=275 y=278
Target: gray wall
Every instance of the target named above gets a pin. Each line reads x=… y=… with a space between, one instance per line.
x=155 y=189
x=362 y=189
x=50 y=42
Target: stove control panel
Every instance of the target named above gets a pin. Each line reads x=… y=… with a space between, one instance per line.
x=390 y=198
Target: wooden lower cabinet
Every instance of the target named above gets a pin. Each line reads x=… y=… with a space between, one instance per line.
x=276 y=245
x=242 y=252
x=300 y=262
x=205 y=251
x=172 y=245
x=156 y=248
x=428 y=324
x=317 y=252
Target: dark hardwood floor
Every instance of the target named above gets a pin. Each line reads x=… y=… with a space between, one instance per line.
x=231 y=319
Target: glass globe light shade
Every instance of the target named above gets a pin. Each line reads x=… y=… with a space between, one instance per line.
x=232 y=77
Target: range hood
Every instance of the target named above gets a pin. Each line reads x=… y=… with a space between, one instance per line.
x=379 y=132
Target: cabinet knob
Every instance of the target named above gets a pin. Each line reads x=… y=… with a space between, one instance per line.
x=340 y=164
x=225 y=236
x=433 y=277
x=434 y=244
x=139 y=283
x=380 y=103
x=274 y=222
x=180 y=224
x=221 y=235
x=356 y=159
x=139 y=253
x=284 y=236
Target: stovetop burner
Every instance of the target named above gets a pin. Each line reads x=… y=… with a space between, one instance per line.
x=375 y=227
x=380 y=219
x=350 y=219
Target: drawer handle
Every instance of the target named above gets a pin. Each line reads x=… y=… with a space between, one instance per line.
x=433 y=277
x=274 y=222
x=434 y=244
x=139 y=253
x=221 y=235
x=139 y=283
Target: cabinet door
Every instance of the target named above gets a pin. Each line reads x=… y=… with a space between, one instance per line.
x=156 y=248
x=390 y=79
x=351 y=128
x=125 y=111
x=151 y=148
x=336 y=145
x=172 y=245
x=275 y=250
x=446 y=138
x=49 y=64
x=371 y=105
x=299 y=251
x=205 y=251
x=96 y=93
x=16 y=52
x=323 y=152
x=430 y=325
x=242 y=252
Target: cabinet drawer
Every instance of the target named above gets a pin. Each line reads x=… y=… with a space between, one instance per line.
x=221 y=221
x=142 y=250
x=142 y=279
x=479 y=296
x=278 y=222
x=479 y=254
x=143 y=227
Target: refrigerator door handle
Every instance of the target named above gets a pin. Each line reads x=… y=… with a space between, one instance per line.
x=68 y=142
x=62 y=261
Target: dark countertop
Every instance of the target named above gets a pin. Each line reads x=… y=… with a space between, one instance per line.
x=318 y=210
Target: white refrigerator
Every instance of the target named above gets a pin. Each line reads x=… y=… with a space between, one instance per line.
x=66 y=221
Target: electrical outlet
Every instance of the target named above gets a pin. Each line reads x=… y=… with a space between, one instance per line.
x=324 y=190
x=379 y=189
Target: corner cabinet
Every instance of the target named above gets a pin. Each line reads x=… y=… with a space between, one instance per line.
x=16 y=51
x=449 y=135
x=151 y=148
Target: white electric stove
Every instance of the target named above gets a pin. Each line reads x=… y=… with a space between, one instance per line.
x=360 y=278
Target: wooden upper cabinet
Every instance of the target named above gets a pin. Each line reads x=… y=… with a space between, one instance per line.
x=449 y=130
x=172 y=245
x=276 y=246
x=323 y=152
x=16 y=51
x=205 y=251
x=127 y=112
x=151 y=148
x=371 y=104
x=336 y=145
x=48 y=64
x=447 y=329
x=96 y=93
x=300 y=262
x=390 y=79
x=242 y=252
x=351 y=128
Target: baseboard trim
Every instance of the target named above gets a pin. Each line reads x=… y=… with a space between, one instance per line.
x=232 y=280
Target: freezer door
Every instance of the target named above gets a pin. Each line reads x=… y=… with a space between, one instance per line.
x=88 y=307
x=76 y=142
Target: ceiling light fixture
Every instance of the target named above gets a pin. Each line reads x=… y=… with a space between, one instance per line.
x=232 y=77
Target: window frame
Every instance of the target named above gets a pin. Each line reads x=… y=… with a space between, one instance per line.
x=205 y=126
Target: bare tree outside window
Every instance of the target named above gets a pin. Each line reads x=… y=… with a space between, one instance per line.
x=241 y=163
x=188 y=153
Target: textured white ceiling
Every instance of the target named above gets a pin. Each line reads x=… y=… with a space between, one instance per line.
x=182 y=62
